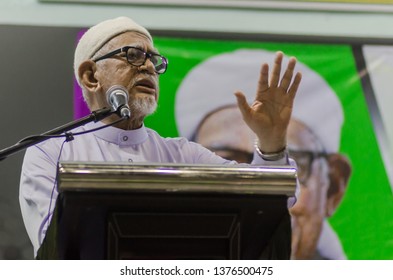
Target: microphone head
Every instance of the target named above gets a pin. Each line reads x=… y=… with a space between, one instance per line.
x=117 y=98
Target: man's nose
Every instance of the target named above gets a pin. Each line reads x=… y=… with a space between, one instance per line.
x=148 y=66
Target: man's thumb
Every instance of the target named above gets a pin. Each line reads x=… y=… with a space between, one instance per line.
x=242 y=104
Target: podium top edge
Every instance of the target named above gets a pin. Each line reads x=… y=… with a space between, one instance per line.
x=67 y=166
x=79 y=176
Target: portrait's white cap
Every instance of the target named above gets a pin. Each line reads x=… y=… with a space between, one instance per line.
x=212 y=84
x=98 y=35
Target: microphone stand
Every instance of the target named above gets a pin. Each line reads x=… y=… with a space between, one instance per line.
x=23 y=144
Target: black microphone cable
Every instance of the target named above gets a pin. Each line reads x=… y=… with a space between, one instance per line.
x=69 y=135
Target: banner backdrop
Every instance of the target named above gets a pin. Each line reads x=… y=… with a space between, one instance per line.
x=363 y=220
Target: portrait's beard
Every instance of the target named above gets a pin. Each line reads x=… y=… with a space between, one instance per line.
x=141 y=107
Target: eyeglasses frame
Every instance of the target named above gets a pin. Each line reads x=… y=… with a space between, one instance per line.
x=125 y=49
x=313 y=155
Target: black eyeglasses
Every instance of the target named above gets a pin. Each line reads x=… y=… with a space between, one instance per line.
x=138 y=57
x=304 y=160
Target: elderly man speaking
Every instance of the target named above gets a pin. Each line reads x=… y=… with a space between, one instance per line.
x=119 y=52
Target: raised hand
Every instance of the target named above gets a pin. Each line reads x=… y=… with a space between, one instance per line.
x=269 y=114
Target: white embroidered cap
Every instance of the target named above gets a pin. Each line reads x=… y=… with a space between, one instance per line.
x=98 y=35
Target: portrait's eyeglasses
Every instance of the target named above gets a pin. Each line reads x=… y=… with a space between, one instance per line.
x=138 y=57
x=233 y=154
x=304 y=160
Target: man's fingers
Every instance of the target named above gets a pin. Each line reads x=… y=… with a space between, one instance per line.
x=263 y=83
x=243 y=105
x=275 y=75
x=287 y=77
x=295 y=85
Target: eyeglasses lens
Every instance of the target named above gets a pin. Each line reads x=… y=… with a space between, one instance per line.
x=135 y=57
x=138 y=57
x=159 y=62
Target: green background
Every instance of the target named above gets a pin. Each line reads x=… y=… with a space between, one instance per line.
x=364 y=219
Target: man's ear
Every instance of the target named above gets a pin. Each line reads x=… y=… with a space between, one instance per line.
x=86 y=72
x=339 y=173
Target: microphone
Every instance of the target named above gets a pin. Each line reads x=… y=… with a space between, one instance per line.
x=117 y=97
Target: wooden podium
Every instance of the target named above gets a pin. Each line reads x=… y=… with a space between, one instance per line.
x=170 y=211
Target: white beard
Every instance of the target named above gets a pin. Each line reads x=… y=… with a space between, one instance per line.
x=141 y=107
